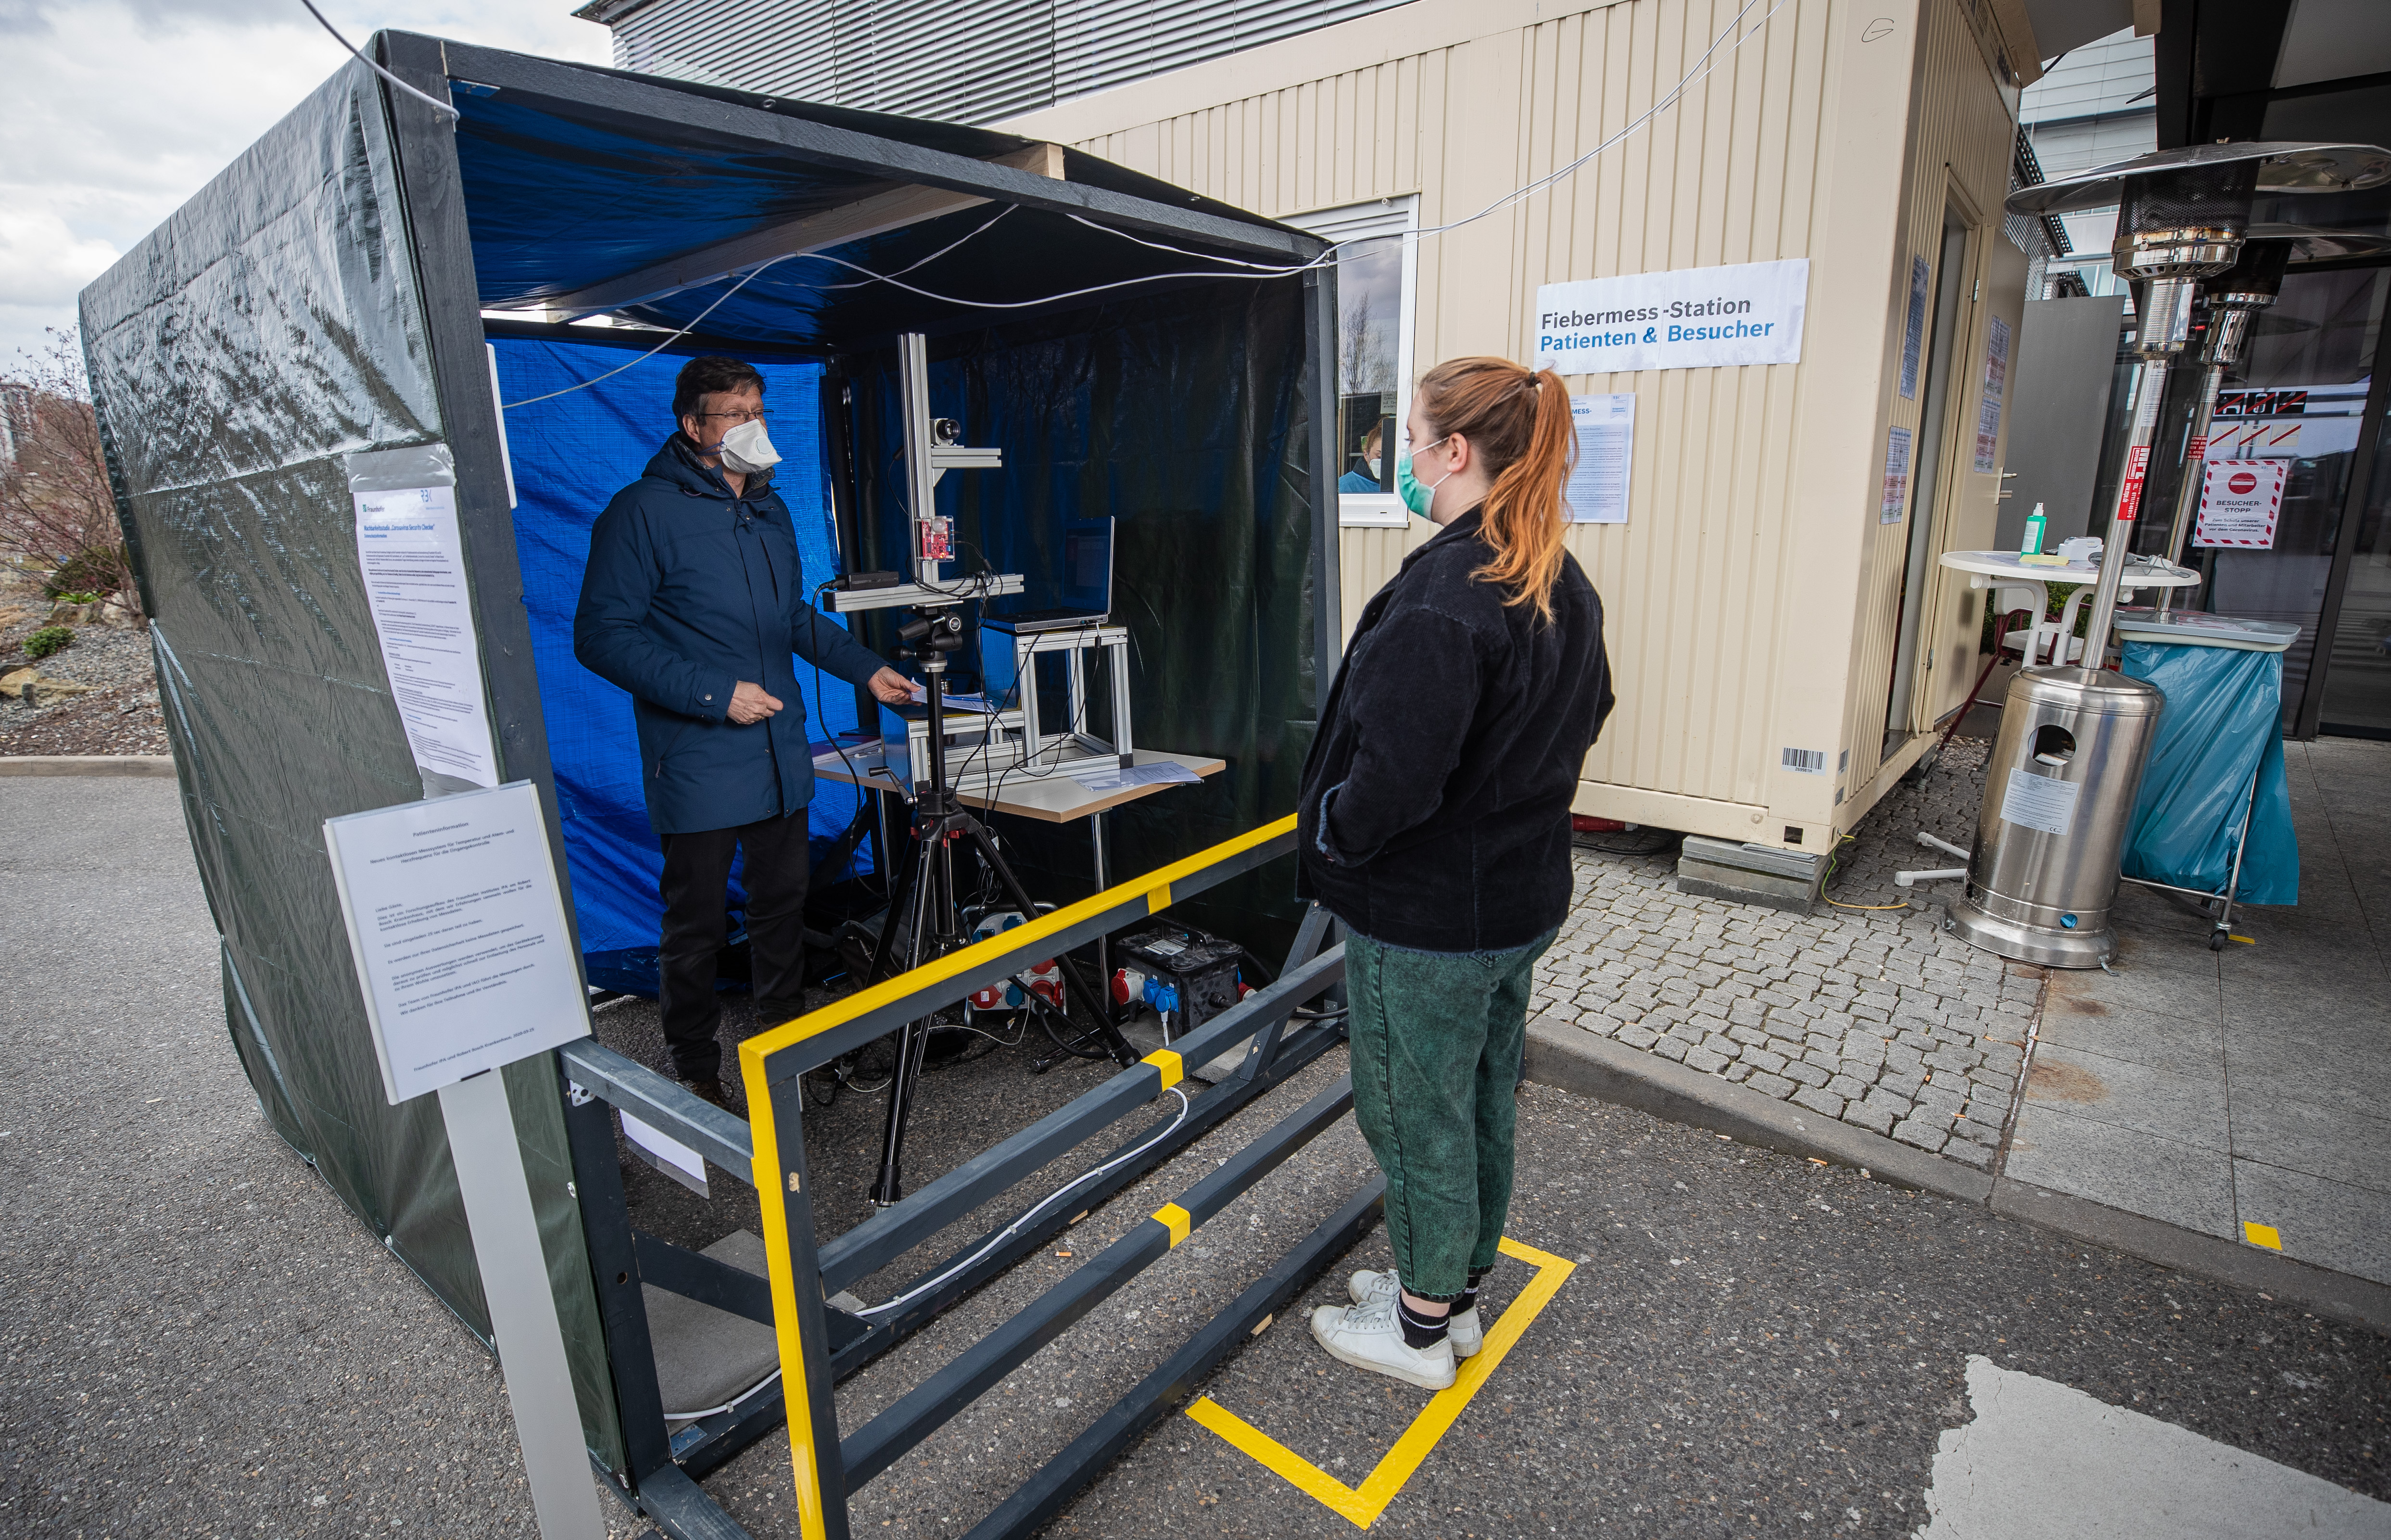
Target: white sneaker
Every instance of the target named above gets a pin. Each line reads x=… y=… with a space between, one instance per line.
x=1368 y=1337
x=1368 y=1288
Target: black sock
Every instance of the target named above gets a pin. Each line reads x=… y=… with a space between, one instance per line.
x=1420 y=1332
x=1468 y=1299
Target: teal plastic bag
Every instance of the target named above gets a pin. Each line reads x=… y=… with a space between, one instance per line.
x=2218 y=732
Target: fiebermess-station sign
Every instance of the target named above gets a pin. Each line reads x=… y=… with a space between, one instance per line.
x=1693 y=317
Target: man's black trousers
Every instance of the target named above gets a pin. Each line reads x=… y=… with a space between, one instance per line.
x=695 y=889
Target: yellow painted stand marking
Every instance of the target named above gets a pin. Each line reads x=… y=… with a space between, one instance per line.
x=1363 y=1504
x=795 y=1393
x=2262 y=1235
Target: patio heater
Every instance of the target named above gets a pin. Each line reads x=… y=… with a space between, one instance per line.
x=2061 y=783
x=2235 y=297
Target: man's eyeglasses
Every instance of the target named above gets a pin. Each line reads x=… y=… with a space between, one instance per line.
x=736 y=418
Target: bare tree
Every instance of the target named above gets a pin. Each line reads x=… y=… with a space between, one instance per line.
x=57 y=512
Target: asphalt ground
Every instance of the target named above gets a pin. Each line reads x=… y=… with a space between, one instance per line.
x=201 y=1341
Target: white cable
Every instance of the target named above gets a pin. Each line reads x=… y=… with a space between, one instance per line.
x=731 y=1404
x=432 y=102
x=668 y=342
x=1014 y=1228
x=1702 y=68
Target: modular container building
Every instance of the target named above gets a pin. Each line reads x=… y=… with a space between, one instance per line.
x=1784 y=643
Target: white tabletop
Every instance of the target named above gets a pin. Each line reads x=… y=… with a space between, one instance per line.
x=2009 y=564
x=1053 y=797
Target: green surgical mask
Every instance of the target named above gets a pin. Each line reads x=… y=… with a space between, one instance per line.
x=1418 y=496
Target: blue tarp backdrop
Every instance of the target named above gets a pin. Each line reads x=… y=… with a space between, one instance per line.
x=571 y=455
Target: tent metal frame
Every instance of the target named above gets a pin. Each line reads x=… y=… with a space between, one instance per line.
x=661 y=1472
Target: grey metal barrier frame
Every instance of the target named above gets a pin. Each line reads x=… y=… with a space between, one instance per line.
x=820 y=1344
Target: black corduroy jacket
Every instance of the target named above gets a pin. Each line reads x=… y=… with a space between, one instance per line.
x=1434 y=813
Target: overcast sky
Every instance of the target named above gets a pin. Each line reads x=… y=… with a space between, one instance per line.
x=114 y=112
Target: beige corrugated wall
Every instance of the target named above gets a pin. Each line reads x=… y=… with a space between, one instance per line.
x=1745 y=594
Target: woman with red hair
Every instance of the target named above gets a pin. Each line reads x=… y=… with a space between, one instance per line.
x=1434 y=822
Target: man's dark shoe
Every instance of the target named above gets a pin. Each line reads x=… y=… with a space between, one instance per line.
x=710 y=1091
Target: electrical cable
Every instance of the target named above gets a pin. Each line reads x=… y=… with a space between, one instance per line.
x=1834 y=856
x=1185 y=1108
x=1258 y=271
x=431 y=101
x=732 y=1404
x=669 y=340
x=1702 y=68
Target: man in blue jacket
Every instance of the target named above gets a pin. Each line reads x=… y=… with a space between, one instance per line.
x=695 y=601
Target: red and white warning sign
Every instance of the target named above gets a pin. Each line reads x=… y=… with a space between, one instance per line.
x=2129 y=490
x=2240 y=502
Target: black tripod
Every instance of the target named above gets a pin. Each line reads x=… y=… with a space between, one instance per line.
x=926 y=894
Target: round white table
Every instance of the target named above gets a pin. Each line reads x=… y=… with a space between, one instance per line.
x=2005 y=570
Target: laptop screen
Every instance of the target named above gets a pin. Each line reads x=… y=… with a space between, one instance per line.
x=1087 y=565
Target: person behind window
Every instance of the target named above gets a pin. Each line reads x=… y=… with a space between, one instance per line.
x=1434 y=822
x=1364 y=477
x=693 y=601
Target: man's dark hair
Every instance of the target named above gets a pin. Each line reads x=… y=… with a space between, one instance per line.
x=703 y=377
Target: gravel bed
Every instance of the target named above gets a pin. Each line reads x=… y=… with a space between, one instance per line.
x=119 y=716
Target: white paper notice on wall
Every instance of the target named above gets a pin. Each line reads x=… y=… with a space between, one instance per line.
x=1606 y=452
x=457 y=927
x=1894 y=500
x=2240 y=501
x=2041 y=802
x=1988 y=411
x=412 y=559
x=1694 y=318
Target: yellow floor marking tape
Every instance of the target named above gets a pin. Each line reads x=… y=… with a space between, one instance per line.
x=1363 y=1504
x=2262 y=1235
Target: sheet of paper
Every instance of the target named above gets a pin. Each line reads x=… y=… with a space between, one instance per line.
x=1894 y=499
x=413 y=565
x=1105 y=775
x=2041 y=802
x=1988 y=411
x=1690 y=317
x=667 y=1155
x=456 y=927
x=1606 y=451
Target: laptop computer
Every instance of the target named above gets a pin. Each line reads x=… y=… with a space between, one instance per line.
x=1087 y=584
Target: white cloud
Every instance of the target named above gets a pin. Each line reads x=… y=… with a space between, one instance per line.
x=118 y=111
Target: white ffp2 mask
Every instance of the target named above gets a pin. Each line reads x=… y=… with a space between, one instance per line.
x=748 y=449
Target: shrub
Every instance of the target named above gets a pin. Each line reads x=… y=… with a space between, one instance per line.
x=48 y=640
x=93 y=571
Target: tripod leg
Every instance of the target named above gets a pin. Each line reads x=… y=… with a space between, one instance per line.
x=909 y=883
x=911 y=1046
x=1081 y=994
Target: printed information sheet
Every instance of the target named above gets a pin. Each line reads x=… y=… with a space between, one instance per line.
x=2240 y=501
x=2041 y=802
x=458 y=932
x=413 y=565
x=1606 y=451
x=1694 y=318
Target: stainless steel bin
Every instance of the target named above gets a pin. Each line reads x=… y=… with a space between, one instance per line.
x=2059 y=796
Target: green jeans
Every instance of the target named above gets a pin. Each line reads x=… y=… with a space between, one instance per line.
x=1437 y=1037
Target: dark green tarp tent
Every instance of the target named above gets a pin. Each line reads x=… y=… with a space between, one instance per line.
x=324 y=298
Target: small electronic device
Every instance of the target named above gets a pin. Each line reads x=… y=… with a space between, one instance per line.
x=858 y=582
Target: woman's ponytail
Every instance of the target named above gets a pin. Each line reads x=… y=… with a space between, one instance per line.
x=1519 y=421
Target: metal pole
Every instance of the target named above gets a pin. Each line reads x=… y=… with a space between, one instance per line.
x=2195 y=466
x=491 y=1179
x=2149 y=384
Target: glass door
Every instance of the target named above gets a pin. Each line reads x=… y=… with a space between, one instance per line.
x=2355 y=669
x=1951 y=286
x=2299 y=398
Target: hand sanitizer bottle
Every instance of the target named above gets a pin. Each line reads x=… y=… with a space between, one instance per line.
x=2031 y=544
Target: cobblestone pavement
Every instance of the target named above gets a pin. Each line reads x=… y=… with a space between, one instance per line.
x=1872 y=1015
